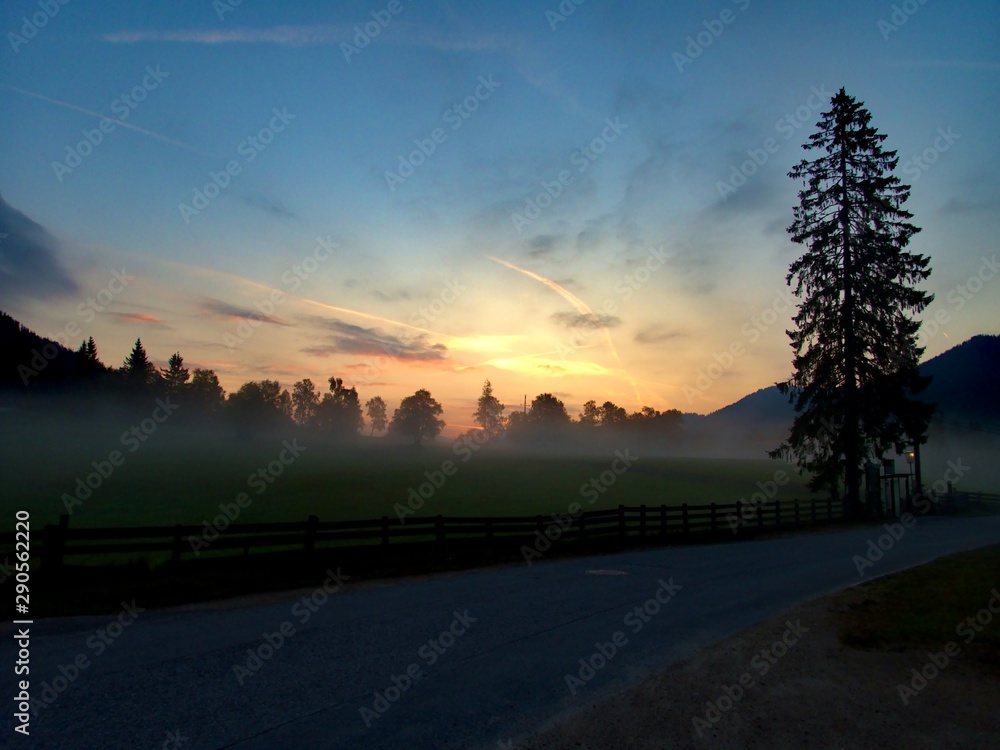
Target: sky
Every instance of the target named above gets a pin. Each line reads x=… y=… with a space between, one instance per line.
x=582 y=198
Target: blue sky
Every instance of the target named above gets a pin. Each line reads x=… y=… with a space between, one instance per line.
x=412 y=294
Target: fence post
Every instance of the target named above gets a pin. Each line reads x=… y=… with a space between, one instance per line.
x=663 y=520
x=739 y=516
x=582 y=534
x=642 y=520
x=760 y=515
x=777 y=514
x=796 y=511
x=813 y=504
x=310 y=540
x=175 y=550
x=713 y=518
x=621 y=523
x=829 y=509
x=684 y=519
x=385 y=531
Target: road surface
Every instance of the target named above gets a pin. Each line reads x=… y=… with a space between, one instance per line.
x=470 y=660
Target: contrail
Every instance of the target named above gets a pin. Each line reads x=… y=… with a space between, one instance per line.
x=100 y=116
x=379 y=318
x=579 y=305
x=232 y=277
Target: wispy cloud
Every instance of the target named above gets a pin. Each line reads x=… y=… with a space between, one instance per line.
x=586 y=320
x=144 y=319
x=312 y=35
x=267 y=205
x=234 y=312
x=657 y=334
x=100 y=116
x=352 y=339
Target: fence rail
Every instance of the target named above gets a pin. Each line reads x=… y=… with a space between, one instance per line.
x=626 y=523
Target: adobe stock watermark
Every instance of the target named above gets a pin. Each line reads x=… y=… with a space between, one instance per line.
x=423 y=316
x=761 y=663
x=121 y=107
x=174 y=740
x=937 y=662
x=958 y=297
x=916 y=166
x=582 y=158
x=901 y=13
x=302 y=611
x=97 y=642
x=292 y=279
x=749 y=510
x=464 y=448
x=31 y=25
x=714 y=28
x=454 y=117
x=580 y=334
x=87 y=311
x=878 y=547
x=751 y=332
x=259 y=481
x=786 y=126
x=635 y=620
x=562 y=12
x=429 y=653
x=224 y=7
x=249 y=148
x=365 y=33
x=132 y=439
x=590 y=491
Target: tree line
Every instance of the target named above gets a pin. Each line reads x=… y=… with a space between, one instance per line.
x=263 y=405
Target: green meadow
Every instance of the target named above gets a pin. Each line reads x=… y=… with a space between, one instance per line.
x=184 y=477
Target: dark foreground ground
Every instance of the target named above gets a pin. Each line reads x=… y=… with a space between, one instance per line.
x=847 y=682
x=454 y=661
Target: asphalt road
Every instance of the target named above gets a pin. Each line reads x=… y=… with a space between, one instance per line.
x=186 y=679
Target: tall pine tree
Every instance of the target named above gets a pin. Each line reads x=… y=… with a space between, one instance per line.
x=138 y=368
x=855 y=338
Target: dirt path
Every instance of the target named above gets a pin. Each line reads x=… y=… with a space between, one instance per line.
x=814 y=693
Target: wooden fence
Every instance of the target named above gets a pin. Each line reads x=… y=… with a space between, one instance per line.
x=625 y=524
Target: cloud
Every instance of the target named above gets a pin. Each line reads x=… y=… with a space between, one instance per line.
x=275 y=208
x=586 y=320
x=657 y=334
x=542 y=245
x=352 y=339
x=29 y=259
x=397 y=295
x=234 y=312
x=313 y=35
x=144 y=319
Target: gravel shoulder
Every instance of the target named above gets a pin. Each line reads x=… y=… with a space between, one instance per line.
x=820 y=694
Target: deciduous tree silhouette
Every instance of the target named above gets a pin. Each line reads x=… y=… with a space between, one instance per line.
x=305 y=401
x=339 y=413
x=376 y=410
x=260 y=405
x=417 y=417
x=489 y=412
x=855 y=337
x=205 y=394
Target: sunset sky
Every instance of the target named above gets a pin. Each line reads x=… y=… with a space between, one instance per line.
x=481 y=190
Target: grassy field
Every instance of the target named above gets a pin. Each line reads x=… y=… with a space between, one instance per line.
x=924 y=608
x=182 y=478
